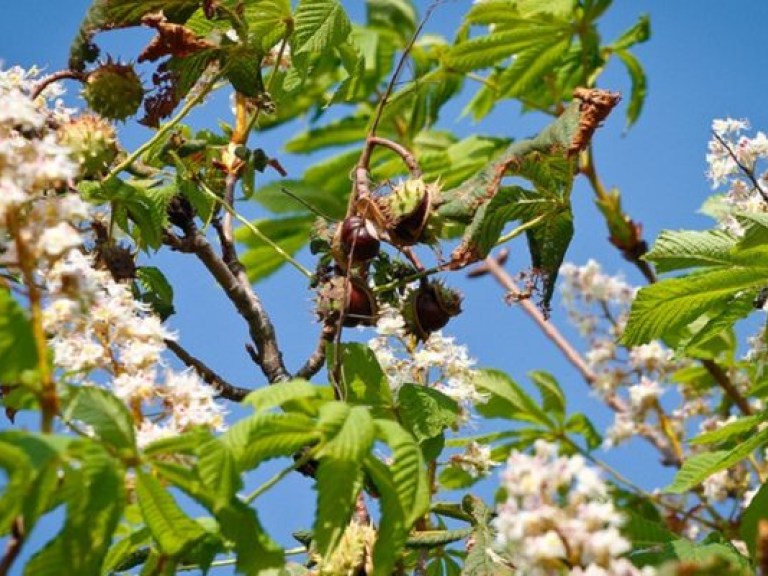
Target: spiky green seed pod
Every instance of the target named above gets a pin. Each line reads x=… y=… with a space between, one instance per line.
x=429 y=308
x=407 y=210
x=114 y=90
x=92 y=142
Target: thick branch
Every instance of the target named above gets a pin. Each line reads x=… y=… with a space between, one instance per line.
x=234 y=281
x=224 y=388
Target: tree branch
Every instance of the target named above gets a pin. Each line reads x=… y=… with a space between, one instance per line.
x=234 y=281
x=613 y=401
x=317 y=359
x=224 y=388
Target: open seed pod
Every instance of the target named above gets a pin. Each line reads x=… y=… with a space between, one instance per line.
x=405 y=213
x=359 y=303
x=355 y=240
x=429 y=308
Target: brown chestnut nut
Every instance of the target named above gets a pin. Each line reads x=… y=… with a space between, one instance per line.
x=359 y=239
x=429 y=308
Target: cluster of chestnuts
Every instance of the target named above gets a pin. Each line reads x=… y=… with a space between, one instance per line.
x=403 y=218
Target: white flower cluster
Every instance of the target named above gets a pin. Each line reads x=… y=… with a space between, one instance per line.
x=97 y=330
x=439 y=362
x=475 y=460
x=731 y=158
x=558 y=519
x=97 y=327
x=598 y=304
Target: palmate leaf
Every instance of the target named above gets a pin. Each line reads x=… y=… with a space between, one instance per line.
x=329 y=203
x=290 y=392
x=397 y=15
x=219 y=472
x=267 y=21
x=508 y=399
x=665 y=308
x=639 y=85
x=348 y=130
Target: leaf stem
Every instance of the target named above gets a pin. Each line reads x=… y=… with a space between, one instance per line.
x=305 y=458
x=522 y=228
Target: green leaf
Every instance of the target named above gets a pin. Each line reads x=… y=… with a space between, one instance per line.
x=338 y=483
x=689 y=249
x=639 y=87
x=183 y=443
x=639 y=32
x=18 y=351
x=257 y=553
x=260 y=259
x=268 y=397
x=157 y=291
x=397 y=15
x=578 y=423
x=219 y=472
x=124 y=550
x=393 y=529
x=348 y=432
x=508 y=399
x=425 y=411
x=644 y=533
x=18 y=469
x=478 y=561
x=94 y=492
x=665 y=308
x=107 y=415
x=347 y=130
x=455 y=478
x=362 y=380
x=407 y=469
x=719 y=556
x=173 y=530
x=264 y=436
x=267 y=21
x=699 y=467
x=553 y=399
x=756 y=512
x=755 y=228
x=272 y=197
x=730 y=431
x=319 y=25
x=737 y=308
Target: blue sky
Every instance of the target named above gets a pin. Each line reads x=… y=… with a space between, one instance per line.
x=705 y=60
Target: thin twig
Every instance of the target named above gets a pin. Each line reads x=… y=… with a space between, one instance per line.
x=400 y=150
x=13 y=548
x=616 y=404
x=55 y=77
x=224 y=388
x=716 y=371
x=238 y=289
x=316 y=360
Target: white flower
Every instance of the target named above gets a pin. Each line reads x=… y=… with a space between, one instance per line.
x=59 y=239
